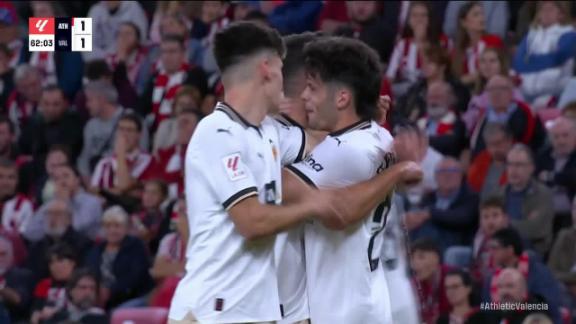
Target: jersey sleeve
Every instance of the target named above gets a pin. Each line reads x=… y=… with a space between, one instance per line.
x=332 y=165
x=292 y=140
x=222 y=161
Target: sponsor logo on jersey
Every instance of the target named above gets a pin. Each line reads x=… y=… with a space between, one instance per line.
x=234 y=166
x=313 y=164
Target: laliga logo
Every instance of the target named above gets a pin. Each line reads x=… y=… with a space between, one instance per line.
x=40 y=24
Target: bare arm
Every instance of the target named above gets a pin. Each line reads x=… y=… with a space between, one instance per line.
x=11 y=296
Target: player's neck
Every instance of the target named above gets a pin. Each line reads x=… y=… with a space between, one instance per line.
x=247 y=103
x=346 y=120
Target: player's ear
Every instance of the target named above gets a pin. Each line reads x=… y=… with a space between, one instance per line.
x=343 y=98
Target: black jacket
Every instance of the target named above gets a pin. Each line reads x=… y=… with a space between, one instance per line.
x=566 y=178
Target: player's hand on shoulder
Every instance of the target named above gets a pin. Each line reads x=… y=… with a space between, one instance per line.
x=327 y=209
x=410 y=172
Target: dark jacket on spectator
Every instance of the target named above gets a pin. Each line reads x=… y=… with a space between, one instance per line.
x=563 y=256
x=130 y=269
x=282 y=17
x=37 y=258
x=565 y=178
x=6 y=86
x=450 y=135
x=21 y=281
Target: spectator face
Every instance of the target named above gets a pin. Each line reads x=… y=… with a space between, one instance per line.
x=152 y=196
x=498 y=145
x=500 y=92
x=8 y=181
x=30 y=86
x=431 y=70
x=474 y=20
x=52 y=105
x=492 y=219
x=424 y=264
x=6 y=137
x=115 y=231
x=58 y=216
x=186 y=126
x=519 y=168
x=319 y=102
x=128 y=36
x=61 y=269
x=6 y=256
x=212 y=10
x=130 y=132
x=67 y=179
x=563 y=136
x=83 y=295
x=361 y=11
x=418 y=19
x=185 y=102
x=438 y=100
x=511 y=286
x=94 y=103
x=489 y=64
x=548 y=13
x=54 y=160
x=170 y=25
x=449 y=176
x=42 y=9
x=501 y=255
x=456 y=292
x=172 y=56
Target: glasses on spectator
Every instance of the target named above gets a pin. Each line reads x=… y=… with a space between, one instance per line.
x=127 y=129
x=454 y=287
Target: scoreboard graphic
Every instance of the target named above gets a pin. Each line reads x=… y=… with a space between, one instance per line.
x=60 y=34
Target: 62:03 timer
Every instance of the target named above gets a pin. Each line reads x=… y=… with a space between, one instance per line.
x=41 y=43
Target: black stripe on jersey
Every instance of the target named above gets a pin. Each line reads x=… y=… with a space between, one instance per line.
x=362 y=124
x=239 y=196
x=302 y=150
x=301 y=175
x=287 y=121
x=234 y=115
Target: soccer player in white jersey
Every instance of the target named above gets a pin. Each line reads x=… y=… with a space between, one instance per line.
x=345 y=279
x=233 y=189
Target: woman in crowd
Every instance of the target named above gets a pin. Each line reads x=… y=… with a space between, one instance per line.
x=121 y=261
x=545 y=57
x=471 y=40
x=145 y=224
x=130 y=54
x=459 y=291
x=420 y=32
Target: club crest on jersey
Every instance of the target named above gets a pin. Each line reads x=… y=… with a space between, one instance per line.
x=234 y=167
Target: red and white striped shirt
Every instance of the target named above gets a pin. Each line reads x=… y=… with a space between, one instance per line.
x=44 y=61
x=19 y=109
x=473 y=52
x=165 y=88
x=171 y=164
x=104 y=176
x=133 y=63
x=17 y=212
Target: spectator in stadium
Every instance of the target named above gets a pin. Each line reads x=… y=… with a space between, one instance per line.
x=16 y=283
x=556 y=166
x=563 y=255
x=17 y=210
x=508 y=252
x=186 y=98
x=50 y=293
x=178 y=24
x=107 y=17
x=169 y=263
x=23 y=100
x=122 y=171
x=477 y=256
x=99 y=132
x=435 y=67
x=54 y=124
x=496 y=14
x=6 y=74
x=172 y=71
x=57 y=230
x=429 y=276
x=8 y=148
x=445 y=130
x=492 y=61
x=504 y=109
x=459 y=289
x=145 y=223
x=545 y=57
x=130 y=54
x=81 y=302
x=529 y=203
x=451 y=210
x=121 y=261
x=470 y=40
x=421 y=32
x=282 y=16
x=487 y=171
x=10 y=34
x=43 y=184
x=163 y=9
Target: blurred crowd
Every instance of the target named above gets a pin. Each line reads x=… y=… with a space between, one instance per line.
x=92 y=144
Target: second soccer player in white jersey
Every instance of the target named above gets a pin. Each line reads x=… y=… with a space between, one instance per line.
x=345 y=279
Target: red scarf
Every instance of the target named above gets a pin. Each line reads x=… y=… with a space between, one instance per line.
x=44 y=61
x=133 y=63
x=523 y=267
x=473 y=52
x=443 y=127
x=165 y=88
x=19 y=109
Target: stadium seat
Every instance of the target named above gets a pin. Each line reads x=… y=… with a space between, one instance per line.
x=145 y=315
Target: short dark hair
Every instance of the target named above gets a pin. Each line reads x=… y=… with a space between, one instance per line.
x=509 y=237
x=493 y=201
x=174 y=39
x=73 y=169
x=131 y=117
x=53 y=87
x=426 y=244
x=64 y=149
x=78 y=275
x=351 y=63
x=244 y=38
x=61 y=251
x=134 y=28
x=161 y=185
x=493 y=128
x=96 y=70
x=294 y=59
x=6 y=120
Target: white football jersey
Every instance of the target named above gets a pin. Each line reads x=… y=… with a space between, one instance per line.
x=345 y=280
x=229 y=279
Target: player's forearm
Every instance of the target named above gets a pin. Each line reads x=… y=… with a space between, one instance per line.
x=270 y=219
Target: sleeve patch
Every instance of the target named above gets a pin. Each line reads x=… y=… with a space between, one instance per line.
x=234 y=166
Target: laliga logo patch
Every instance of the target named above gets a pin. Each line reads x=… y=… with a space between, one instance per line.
x=234 y=167
x=40 y=24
